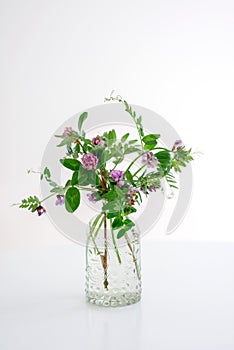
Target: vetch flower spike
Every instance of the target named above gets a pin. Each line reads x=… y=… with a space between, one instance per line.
x=117 y=175
x=177 y=144
x=91 y=197
x=67 y=131
x=149 y=159
x=60 y=200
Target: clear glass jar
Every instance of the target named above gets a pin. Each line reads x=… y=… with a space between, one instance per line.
x=113 y=266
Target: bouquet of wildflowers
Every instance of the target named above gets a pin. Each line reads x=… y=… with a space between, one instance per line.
x=96 y=167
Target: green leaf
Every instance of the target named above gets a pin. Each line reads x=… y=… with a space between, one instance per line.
x=139 y=119
x=100 y=154
x=66 y=141
x=111 y=137
x=68 y=183
x=70 y=163
x=117 y=223
x=76 y=150
x=114 y=137
x=110 y=196
x=31 y=203
x=47 y=172
x=87 y=141
x=129 y=223
x=129 y=210
x=72 y=199
x=141 y=132
x=121 y=233
x=174 y=186
x=107 y=155
x=132 y=141
x=81 y=120
x=124 y=137
x=111 y=215
x=131 y=150
x=120 y=191
x=74 y=180
x=150 y=147
x=113 y=207
x=150 y=139
x=129 y=177
x=86 y=148
x=58 y=189
x=87 y=177
x=118 y=160
x=164 y=159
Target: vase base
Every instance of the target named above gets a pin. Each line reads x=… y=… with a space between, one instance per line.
x=113 y=300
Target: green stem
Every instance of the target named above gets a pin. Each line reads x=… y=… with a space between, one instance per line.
x=128 y=110
x=115 y=165
x=104 y=257
x=114 y=242
x=92 y=230
x=99 y=226
x=140 y=155
x=133 y=256
x=82 y=146
x=29 y=171
x=80 y=187
x=51 y=195
x=143 y=166
x=133 y=115
x=95 y=245
x=165 y=149
x=85 y=188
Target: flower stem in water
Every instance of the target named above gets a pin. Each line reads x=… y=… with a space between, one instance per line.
x=133 y=256
x=104 y=257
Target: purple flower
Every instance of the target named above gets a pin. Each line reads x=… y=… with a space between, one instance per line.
x=89 y=161
x=120 y=183
x=149 y=159
x=91 y=197
x=98 y=141
x=59 y=199
x=40 y=210
x=177 y=144
x=117 y=175
x=67 y=131
x=131 y=195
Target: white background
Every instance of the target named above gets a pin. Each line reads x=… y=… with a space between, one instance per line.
x=60 y=57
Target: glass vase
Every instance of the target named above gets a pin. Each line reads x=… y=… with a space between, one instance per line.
x=113 y=266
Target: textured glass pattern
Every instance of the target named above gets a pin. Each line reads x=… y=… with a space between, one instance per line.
x=118 y=281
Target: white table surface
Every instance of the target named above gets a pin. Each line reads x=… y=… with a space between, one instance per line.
x=187 y=301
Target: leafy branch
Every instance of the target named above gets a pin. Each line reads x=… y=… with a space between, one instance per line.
x=47 y=176
x=170 y=178
x=181 y=158
x=129 y=110
x=137 y=120
x=30 y=203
